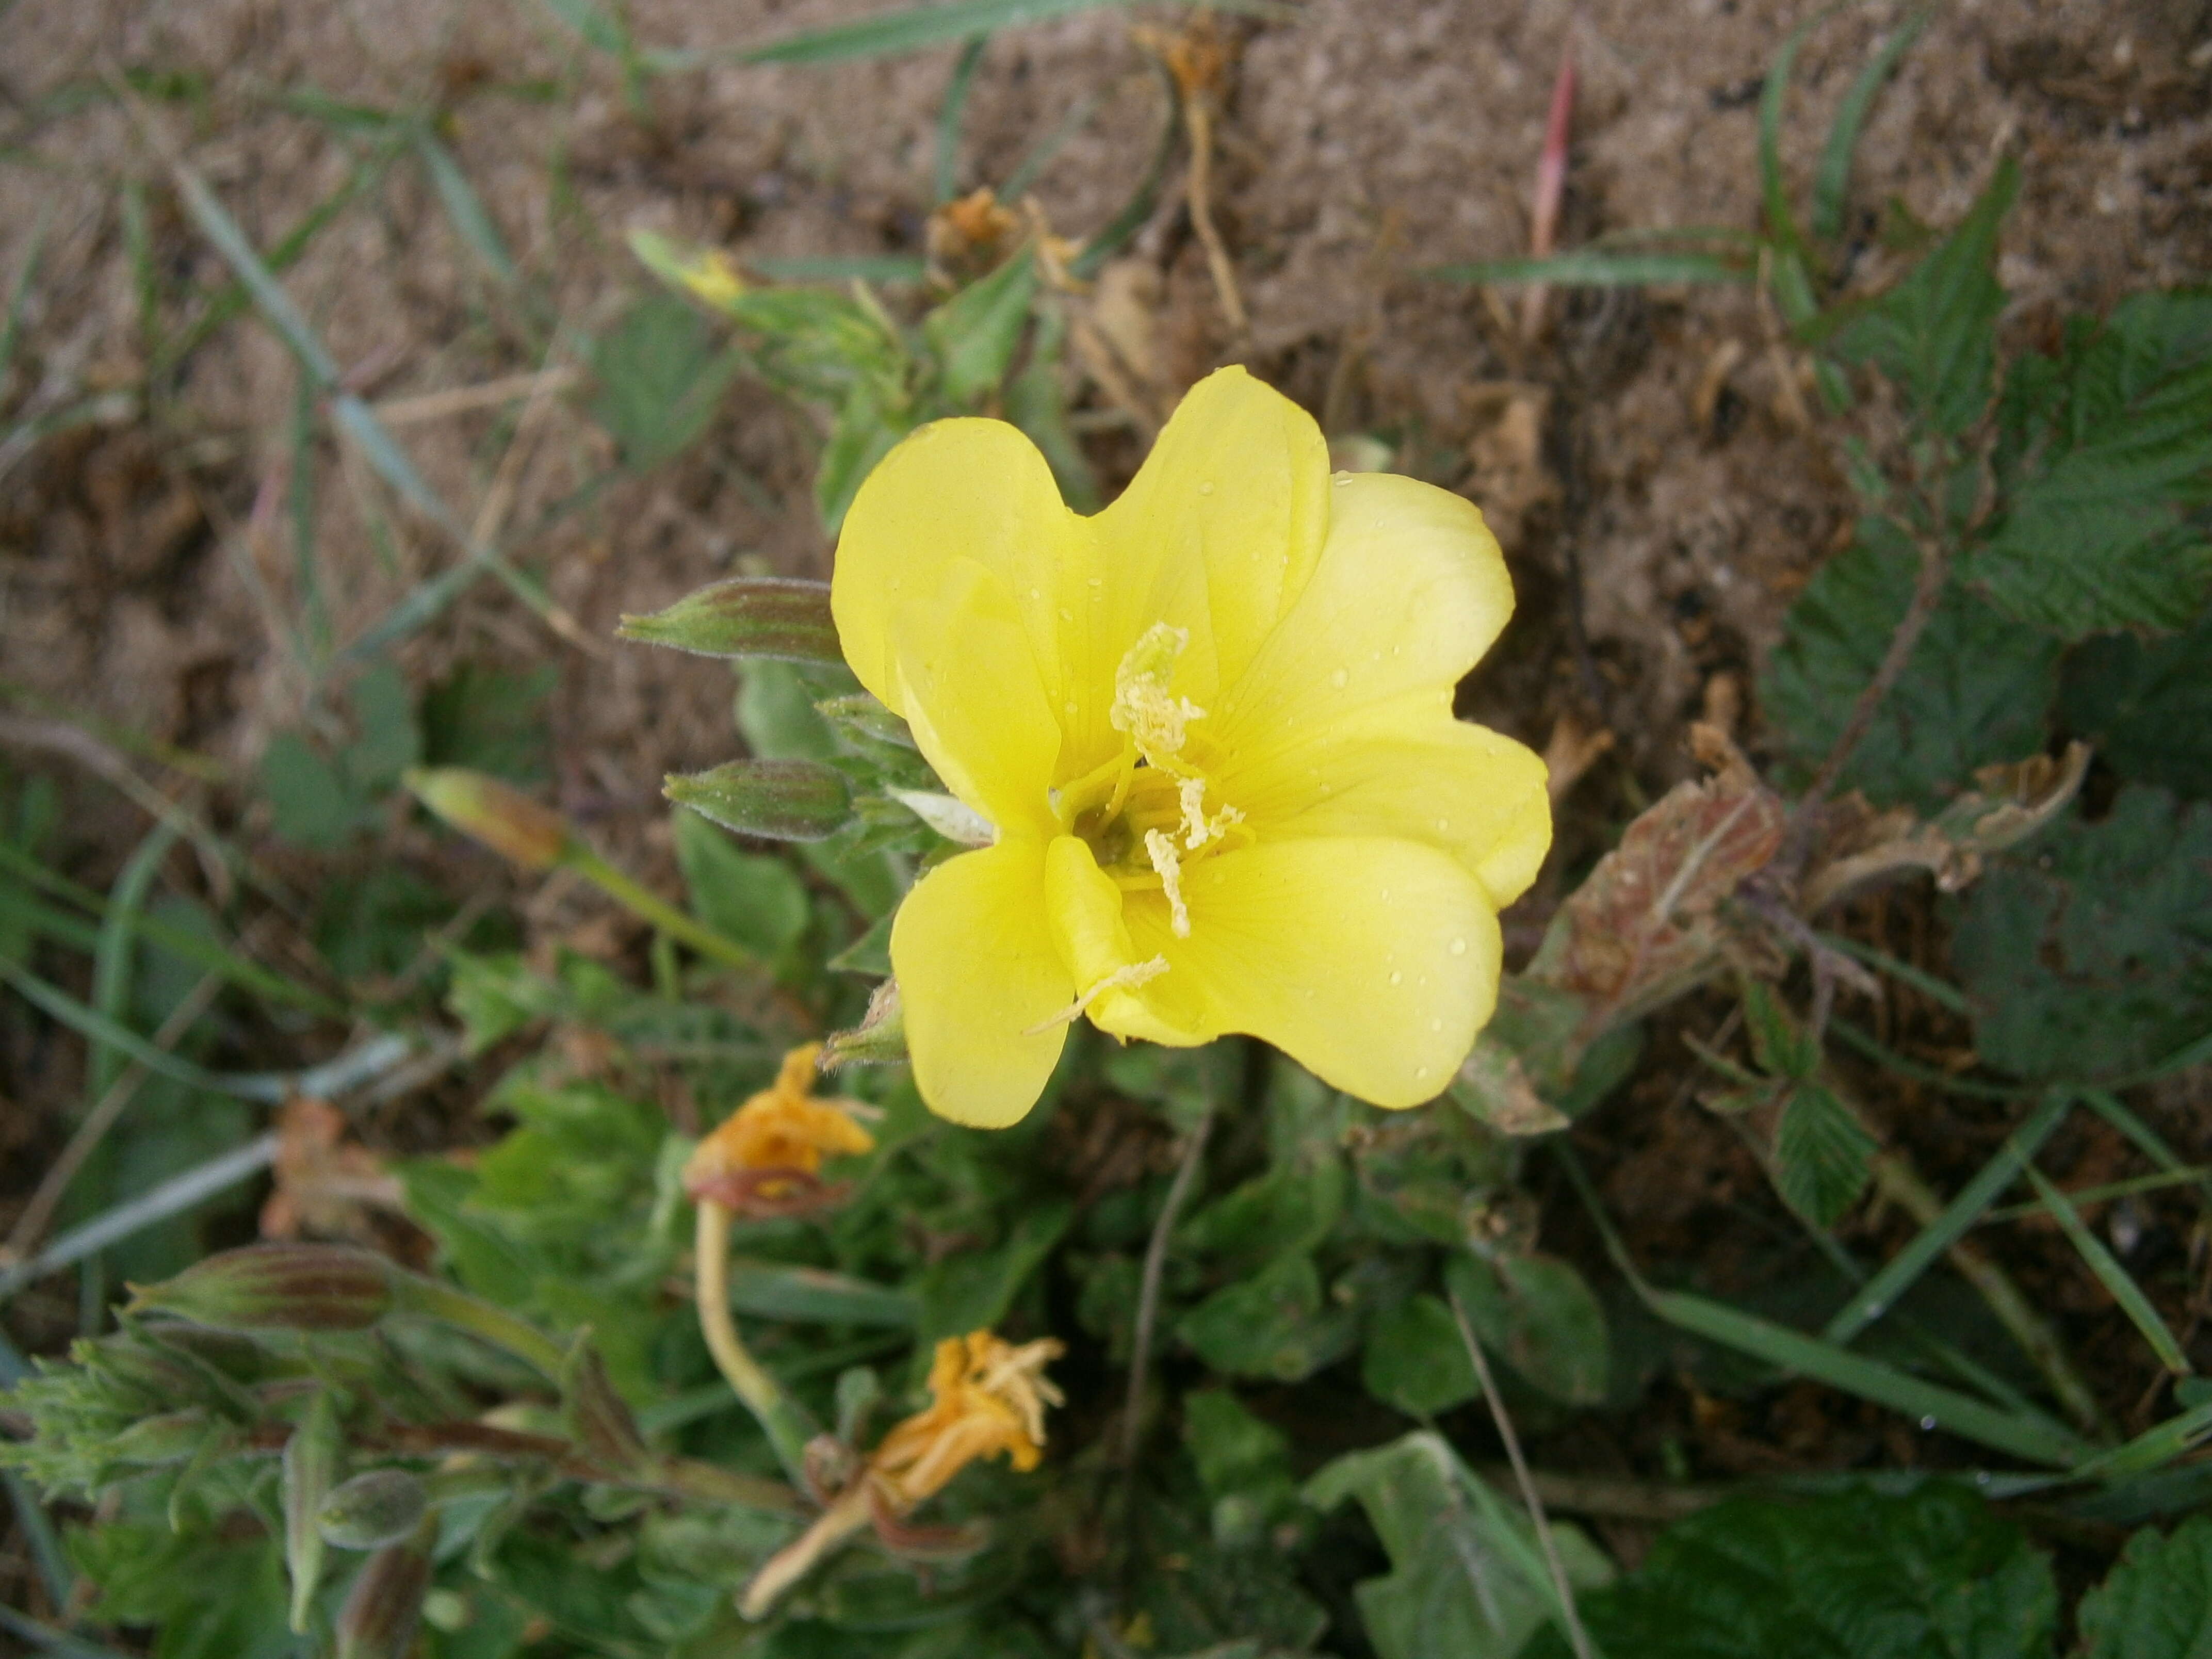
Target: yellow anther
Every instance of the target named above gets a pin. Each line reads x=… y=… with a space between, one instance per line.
x=1160 y=848
x=1142 y=706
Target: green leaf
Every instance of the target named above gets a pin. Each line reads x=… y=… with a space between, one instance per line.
x=311 y=803
x=1832 y=182
x=969 y=1291
x=1036 y=402
x=910 y=28
x=1540 y=1315
x=1273 y=1324
x=1934 y=334
x=1288 y=1210
x=2157 y=1603
x=489 y=720
x=660 y=380
x=470 y=219
x=975 y=333
x=2107 y=457
x=1935 y=1574
x=2091 y=955
x=754 y=898
x=2148 y=707
x=1415 y=1360
x=1465 y=1579
x=1782 y=1047
x=386 y=740
x=1974 y=692
x=1822 y=1156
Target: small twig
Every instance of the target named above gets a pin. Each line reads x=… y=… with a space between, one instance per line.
x=1578 y=1638
x=1199 y=192
x=1927 y=591
x=465 y=399
x=1148 y=1295
x=1615 y=1497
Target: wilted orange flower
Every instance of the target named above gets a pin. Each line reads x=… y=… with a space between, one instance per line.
x=987 y=1397
x=766 y=1156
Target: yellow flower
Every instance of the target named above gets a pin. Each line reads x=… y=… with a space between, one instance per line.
x=765 y=1156
x=986 y=1396
x=1211 y=729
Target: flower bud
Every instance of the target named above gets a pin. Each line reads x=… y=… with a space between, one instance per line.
x=705 y=273
x=169 y=1438
x=517 y=828
x=596 y=1416
x=311 y=1458
x=386 y=1603
x=878 y=1039
x=299 y=1287
x=781 y=617
x=373 y=1510
x=781 y=799
x=862 y=716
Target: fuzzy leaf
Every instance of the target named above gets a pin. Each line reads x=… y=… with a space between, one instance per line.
x=976 y=332
x=1273 y=1324
x=2147 y=704
x=2107 y=458
x=1822 y=1155
x=2157 y=1602
x=1540 y=1316
x=1974 y=693
x=1932 y=1575
x=659 y=380
x=1415 y=1360
x=756 y=899
x=1934 y=334
x=2091 y=955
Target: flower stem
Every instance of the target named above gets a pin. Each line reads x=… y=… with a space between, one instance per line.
x=799 y=1557
x=781 y=1418
x=646 y=903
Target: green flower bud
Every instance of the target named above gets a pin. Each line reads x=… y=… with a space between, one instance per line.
x=879 y=1038
x=778 y=616
x=311 y=1459
x=299 y=1287
x=374 y=1510
x=171 y=1438
x=502 y=818
x=783 y=800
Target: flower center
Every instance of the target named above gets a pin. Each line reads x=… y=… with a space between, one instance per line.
x=1144 y=813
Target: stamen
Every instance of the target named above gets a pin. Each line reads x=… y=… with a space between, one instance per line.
x=1199 y=830
x=1159 y=847
x=1122 y=979
x=1142 y=705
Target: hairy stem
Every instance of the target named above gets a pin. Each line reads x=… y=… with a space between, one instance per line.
x=1148 y=1295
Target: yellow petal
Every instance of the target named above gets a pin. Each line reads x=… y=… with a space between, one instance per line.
x=1373 y=964
x=968 y=682
x=977 y=971
x=1218 y=531
x=971 y=489
x=1413 y=774
x=1410 y=591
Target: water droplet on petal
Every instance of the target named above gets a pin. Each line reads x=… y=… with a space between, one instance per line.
x=1205 y=489
x=1928 y=1422
x=1442 y=825
x=1435 y=1025
x=1065 y=615
x=1421 y=1072
x=1397 y=979
x=1459 y=947
x=1337 y=678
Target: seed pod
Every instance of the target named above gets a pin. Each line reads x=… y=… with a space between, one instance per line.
x=371 y=1510
x=502 y=818
x=781 y=799
x=299 y=1287
x=779 y=617
x=311 y=1459
x=386 y=1603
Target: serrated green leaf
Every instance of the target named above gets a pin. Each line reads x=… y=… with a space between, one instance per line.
x=1273 y=1324
x=754 y=898
x=1934 y=334
x=660 y=378
x=1538 y=1314
x=1782 y=1047
x=2106 y=455
x=2157 y=1603
x=1935 y=1574
x=1974 y=693
x=1466 y=1575
x=1822 y=1156
x=1414 y=1359
x=2147 y=704
x=2089 y=954
x=975 y=333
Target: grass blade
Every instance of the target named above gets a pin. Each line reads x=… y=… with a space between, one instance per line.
x=1774 y=193
x=1116 y=233
x=1940 y=992
x=2112 y=1275
x=776 y=1290
x=19 y=291
x=201 y=952
x=470 y=218
x=2027 y=1435
x=832 y=268
x=45 y=1638
x=2147 y=1139
x=1039 y=156
x=1880 y=1293
x=1832 y=181
x=919 y=27
x=1854 y=1037
x=97 y=1028
x=173 y=1197
x=949 y=117
x=114 y=959
x=1598 y=268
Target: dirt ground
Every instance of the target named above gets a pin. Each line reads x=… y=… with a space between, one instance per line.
x=1647 y=460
